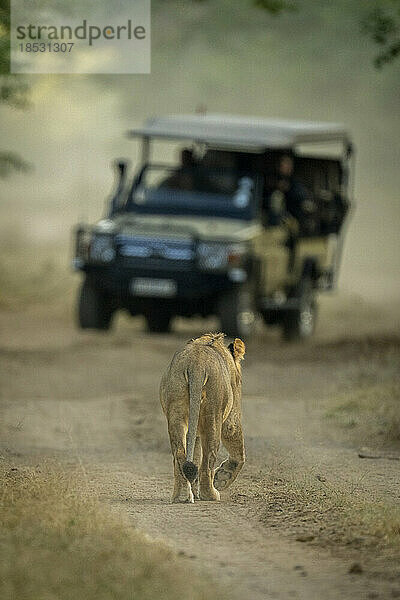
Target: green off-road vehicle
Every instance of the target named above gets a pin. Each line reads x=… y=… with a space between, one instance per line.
x=247 y=222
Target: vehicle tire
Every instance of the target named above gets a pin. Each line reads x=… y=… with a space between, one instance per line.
x=299 y=324
x=94 y=309
x=158 y=321
x=236 y=312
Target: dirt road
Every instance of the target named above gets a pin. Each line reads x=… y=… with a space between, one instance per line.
x=92 y=400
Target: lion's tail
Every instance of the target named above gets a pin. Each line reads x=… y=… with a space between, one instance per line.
x=196 y=380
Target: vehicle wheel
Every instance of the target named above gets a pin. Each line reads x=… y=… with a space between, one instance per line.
x=299 y=324
x=158 y=321
x=236 y=312
x=94 y=309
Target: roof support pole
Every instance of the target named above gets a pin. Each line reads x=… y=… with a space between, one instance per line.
x=145 y=156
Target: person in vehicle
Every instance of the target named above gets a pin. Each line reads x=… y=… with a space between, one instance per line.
x=217 y=172
x=183 y=177
x=285 y=194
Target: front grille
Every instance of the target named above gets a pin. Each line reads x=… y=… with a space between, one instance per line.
x=162 y=264
x=145 y=252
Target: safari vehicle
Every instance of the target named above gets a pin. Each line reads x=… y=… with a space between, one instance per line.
x=213 y=235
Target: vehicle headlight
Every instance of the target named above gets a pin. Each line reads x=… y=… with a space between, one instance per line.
x=102 y=248
x=218 y=256
x=212 y=256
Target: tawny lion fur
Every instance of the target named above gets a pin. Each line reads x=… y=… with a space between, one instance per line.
x=200 y=395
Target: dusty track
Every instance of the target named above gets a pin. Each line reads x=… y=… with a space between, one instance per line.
x=92 y=400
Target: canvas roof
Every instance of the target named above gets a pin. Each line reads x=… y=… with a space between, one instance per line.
x=244 y=132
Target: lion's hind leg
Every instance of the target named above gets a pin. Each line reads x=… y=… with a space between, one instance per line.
x=210 y=443
x=232 y=439
x=177 y=434
x=197 y=461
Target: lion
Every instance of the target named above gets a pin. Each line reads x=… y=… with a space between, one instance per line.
x=200 y=395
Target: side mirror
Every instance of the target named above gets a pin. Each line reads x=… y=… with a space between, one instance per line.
x=349 y=150
x=121 y=167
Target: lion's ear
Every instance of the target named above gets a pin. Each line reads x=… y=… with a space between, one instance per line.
x=238 y=349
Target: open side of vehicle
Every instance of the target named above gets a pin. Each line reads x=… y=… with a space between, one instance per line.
x=222 y=232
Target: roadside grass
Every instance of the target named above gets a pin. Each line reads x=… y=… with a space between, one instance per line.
x=329 y=513
x=56 y=541
x=371 y=412
x=334 y=512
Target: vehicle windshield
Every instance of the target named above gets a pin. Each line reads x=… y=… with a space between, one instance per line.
x=193 y=190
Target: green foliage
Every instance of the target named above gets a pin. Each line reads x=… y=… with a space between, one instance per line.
x=274 y=6
x=381 y=22
x=382 y=25
x=4 y=36
x=13 y=90
x=9 y=161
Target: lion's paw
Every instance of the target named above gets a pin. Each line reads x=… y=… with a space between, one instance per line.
x=184 y=498
x=196 y=493
x=210 y=495
x=222 y=478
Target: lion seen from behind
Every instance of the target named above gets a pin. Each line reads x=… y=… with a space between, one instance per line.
x=200 y=395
